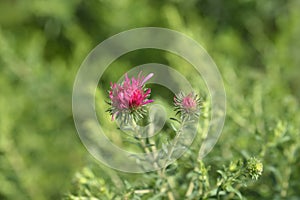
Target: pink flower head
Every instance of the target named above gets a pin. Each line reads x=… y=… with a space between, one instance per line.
x=130 y=96
x=187 y=105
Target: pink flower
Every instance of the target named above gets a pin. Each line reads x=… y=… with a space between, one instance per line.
x=129 y=97
x=187 y=105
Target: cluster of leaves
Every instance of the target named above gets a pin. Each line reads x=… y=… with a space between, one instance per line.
x=232 y=177
x=88 y=186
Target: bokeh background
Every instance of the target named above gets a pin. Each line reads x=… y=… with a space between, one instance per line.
x=255 y=44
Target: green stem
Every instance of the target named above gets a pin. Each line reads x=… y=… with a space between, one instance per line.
x=175 y=141
x=161 y=173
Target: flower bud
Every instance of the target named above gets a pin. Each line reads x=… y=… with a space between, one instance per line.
x=254 y=167
x=187 y=105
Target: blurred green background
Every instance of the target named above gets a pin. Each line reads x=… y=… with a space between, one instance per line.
x=254 y=43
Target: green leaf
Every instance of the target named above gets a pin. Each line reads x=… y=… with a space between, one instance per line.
x=175 y=119
x=223 y=174
x=229 y=188
x=173 y=127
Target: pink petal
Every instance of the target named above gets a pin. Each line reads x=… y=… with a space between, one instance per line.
x=147 y=78
x=148 y=101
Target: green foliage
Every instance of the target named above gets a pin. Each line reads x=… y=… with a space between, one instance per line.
x=42 y=44
x=199 y=186
x=88 y=186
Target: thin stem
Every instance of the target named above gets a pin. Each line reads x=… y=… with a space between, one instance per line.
x=190 y=188
x=161 y=173
x=175 y=141
x=149 y=150
x=170 y=153
x=144 y=191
